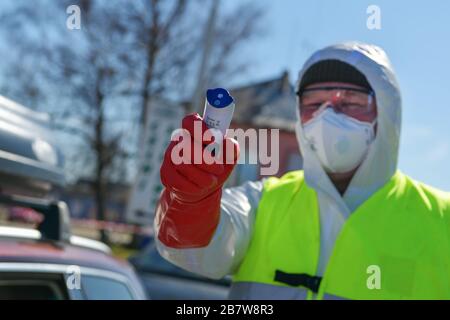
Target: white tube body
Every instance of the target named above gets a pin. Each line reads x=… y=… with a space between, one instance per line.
x=219 y=109
x=218 y=118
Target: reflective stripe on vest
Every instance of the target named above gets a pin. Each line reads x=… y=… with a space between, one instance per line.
x=396 y=245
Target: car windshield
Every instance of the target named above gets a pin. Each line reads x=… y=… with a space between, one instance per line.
x=98 y=288
x=151 y=261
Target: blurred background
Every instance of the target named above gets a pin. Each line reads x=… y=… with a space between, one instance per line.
x=106 y=82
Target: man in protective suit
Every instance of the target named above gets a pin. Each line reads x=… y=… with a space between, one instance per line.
x=350 y=225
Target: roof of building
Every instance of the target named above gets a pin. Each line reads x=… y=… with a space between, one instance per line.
x=266 y=104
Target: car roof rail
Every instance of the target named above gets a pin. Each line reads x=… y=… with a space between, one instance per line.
x=56 y=223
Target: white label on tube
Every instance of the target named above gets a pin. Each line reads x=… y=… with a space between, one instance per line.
x=219 y=108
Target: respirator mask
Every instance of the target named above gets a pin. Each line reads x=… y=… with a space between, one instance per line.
x=339 y=140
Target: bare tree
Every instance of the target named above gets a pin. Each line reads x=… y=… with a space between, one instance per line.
x=97 y=82
x=84 y=71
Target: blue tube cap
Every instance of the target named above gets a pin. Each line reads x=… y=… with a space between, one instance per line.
x=219 y=97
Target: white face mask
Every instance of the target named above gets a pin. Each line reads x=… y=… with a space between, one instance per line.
x=340 y=142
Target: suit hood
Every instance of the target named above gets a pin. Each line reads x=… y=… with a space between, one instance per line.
x=381 y=161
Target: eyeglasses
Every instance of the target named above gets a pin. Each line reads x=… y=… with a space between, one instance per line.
x=353 y=102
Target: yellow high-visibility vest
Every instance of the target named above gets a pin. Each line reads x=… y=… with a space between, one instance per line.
x=396 y=245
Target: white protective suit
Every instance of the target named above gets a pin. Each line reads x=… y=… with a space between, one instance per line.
x=239 y=204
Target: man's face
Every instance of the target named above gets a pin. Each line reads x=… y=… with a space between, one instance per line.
x=352 y=100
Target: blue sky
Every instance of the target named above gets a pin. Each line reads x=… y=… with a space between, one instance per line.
x=415 y=36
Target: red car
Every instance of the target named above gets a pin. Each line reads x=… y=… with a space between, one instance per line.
x=50 y=263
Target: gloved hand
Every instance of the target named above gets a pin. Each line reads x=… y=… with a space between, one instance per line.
x=189 y=206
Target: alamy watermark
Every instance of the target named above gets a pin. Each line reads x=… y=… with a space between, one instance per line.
x=222 y=151
x=374 y=279
x=73 y=279
x=73 y=21
x=374 y=19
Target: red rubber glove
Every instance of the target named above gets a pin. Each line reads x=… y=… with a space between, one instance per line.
x=188 y=210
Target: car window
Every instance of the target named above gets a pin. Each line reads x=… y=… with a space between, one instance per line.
x=32 y=287
x=99 y=288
